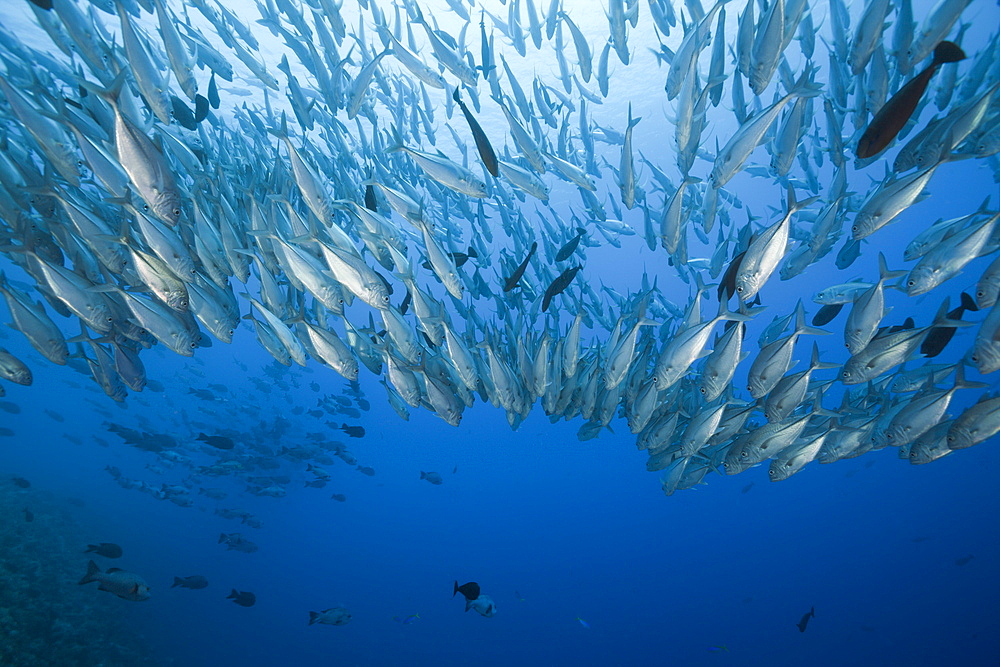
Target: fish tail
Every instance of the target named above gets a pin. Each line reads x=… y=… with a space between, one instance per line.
x=397 y=141
x=92 y=571
x=948 y=52
x=177 y=582
x=313 y=615
x=111 y=92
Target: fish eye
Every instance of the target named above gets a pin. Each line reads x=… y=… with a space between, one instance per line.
x=385 y=299
x=177 y=212
x=911 y=283
x=193 y=345
x=230 y=332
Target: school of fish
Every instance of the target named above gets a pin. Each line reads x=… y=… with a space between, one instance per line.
x=148 y=203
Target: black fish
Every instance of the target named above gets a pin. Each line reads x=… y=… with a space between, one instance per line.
x=21 y=482
x=486 y=153
x=194 y=582
x=805 y=619
x=200 y=108
x=242 y=598
x=370 y=203
x=938 y=337
x=894 y=114
x=727 y=286
x=570 y=247
x=213 y=92
x=469 y=590
x=515 y=277
x=217 y=441
x=849 y=252
x=826 y=314
x=42 y=4
x=183 y=114
x=29 y=516
x=353 y=431
x=106 y=549
x=559 y=285
x=964 y=560
x=747 y=488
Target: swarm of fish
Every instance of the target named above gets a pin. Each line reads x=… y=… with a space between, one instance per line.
x=339 y=236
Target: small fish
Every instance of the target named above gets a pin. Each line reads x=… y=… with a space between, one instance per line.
x=242 y=598
x=106 y=549
x=938 y=337
x=518 y=596
x=339 y=497
x=805 y=619
x=570 y=246
x=125 y=585
x=193 y=582
x=559 y=285
x=353 y=431
x=964 y=560
x=406 y=620
x=826 y=314
x=470 y=590
x=483 y=604
x=332 y=616
x=20 y=482
x=29 y=516
x=583 y=622
x=486 y=153
x=217 y=441
x=515 y=277
x=893 y=115
x=432 y=477
x=719 y=648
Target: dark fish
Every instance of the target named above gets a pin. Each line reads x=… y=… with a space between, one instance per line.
x=182 y=113
x=217 y=441
x=570 y=247
x=515 y=277
x=826 y=314
x=29 y=516
x=242 y=598
x=6 y=432
x=727 y=286
x=200 y=108
x=106 y=549
x=894 y=114
x=21 y=482
x=805 y=619
x=370 y=203
x=316 y=483
x=339 y=497
x=213 y=93
x=195 y=581
x=364 y=404
x=366 y=470
x=747 y=488
x=42 y=4
x=559 y=285
x=938 y=337
x=469 y=590
x=850 y=251
x=353 y=431
x=486 y=153
x=12 y=408
x=964 y=560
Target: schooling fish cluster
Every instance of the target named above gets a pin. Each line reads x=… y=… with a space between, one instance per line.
x=150 y=222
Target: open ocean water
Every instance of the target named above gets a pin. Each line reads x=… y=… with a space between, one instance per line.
x=311 y=491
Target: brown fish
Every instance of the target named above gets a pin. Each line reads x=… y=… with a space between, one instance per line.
x=894 y=114
x=486 y=153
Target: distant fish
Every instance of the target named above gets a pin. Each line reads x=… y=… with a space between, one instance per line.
x=805 y=619
x=353 y=431
x=29 y=516
x=719 y=648
x=483 y=604
x=469 y=590
x=964 y=560
x=242 y=598
x=236 y=542
x=486 y=153
x=194 y=582
x=406 y=620
x=893 y=115
x=106 y=549
x=217 y=441
x=432 y=477
x=332 y=616
x=747 y=488
x=21 y=482
x=559 y=285
x=520 y=598
x=366 y=470
x=570 y=246
x=511 y=282
x=583 y=622
x=339 y=497
x=126 y=585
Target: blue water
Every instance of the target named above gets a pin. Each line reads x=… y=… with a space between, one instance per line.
x=587 y=561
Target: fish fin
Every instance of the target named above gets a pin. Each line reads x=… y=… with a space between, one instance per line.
x=92 y=570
